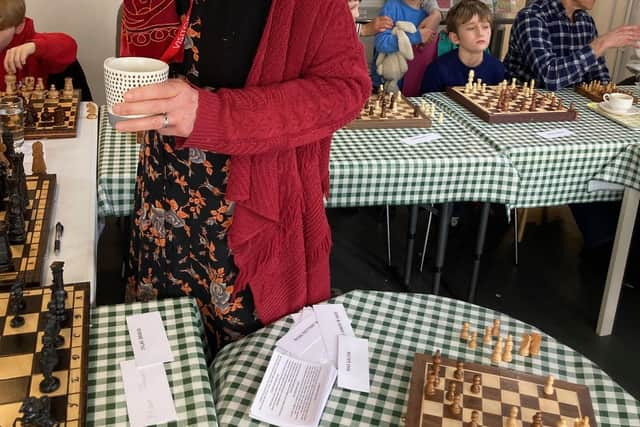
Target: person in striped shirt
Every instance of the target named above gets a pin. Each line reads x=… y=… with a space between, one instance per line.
x=556 y=43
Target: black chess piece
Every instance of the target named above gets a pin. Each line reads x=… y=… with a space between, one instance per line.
x=7 y=139
x=59 y=116
x=47 y=116
x=37 y=413
x=17 y=304
x=15 y=217
x=21 y=178
x=30 y=117
x=59 y=296
x=52 y=332
x=3 y=184
x=6 y=258
x=57 y=269
x=48 y=362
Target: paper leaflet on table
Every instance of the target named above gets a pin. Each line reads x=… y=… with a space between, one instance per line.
x=149 y=339
x=293 y=392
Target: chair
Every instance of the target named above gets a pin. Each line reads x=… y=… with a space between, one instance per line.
x=79 y=80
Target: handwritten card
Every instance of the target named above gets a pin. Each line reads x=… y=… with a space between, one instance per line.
x=420 y=139
x=353 y=363
x=556 y=133
x=149 y=339
x=333 y=322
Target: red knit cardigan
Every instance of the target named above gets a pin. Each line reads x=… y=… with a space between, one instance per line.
x=309 y=78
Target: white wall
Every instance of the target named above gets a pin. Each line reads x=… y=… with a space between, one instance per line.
x=92 y=23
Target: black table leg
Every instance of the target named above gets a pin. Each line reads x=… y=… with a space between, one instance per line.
x=477 y=253
x=411 y=239
x=443 y=234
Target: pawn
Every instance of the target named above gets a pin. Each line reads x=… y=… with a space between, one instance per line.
x=525 y=345
x=475 y=415
x=561 y=423
x=513 y=417
x=548 y=387
x=475 y=385
x=507 y=356
x=495 y=331
x=456 y=406
x=437 y=357
x=496 y=357
x=436 y=377
x=464 y=334
x=473 y=342
x=487 y=336
x=430 y=388
x=459 y=372
x=38 y=166
x=537 y=420
x=585 y=421
x=451 y=393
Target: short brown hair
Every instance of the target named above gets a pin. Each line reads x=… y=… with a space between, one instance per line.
x=464 y=11
x=11 y=13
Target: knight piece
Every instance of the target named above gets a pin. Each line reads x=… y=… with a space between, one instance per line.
x=37 y=412
x=17 y=233
x=6 y=262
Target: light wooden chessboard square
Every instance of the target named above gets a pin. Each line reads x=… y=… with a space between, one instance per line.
x=20 y=373
x=501 y=389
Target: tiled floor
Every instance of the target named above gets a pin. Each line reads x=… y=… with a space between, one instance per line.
x=553 y=287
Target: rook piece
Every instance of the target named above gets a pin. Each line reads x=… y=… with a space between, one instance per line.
x=67 y=91
x=57 y=270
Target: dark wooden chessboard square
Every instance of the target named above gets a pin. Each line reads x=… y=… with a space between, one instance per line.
x=13 y=389
x=570 y=411
x=510 y=385
x=448 y=415
x=550 y=419
x=437 y=397
x=529 y=402
x=59 y=407
x=490 y=393
x=17 y=344
x=472 y=402
x=431 y=421
x=32 y=303
x=491 y=419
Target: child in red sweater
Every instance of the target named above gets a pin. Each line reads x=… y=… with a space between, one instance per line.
x=27 y=53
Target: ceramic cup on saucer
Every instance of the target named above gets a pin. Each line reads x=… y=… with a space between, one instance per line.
x=122 y=74
x=620 y=102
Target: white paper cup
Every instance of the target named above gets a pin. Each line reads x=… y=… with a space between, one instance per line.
x=122 y=74
x=618 y=101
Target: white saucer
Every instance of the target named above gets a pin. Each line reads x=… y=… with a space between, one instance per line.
x=113 y=118
x=630 y=112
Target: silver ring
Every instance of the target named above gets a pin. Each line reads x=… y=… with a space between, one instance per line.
x=165 y=121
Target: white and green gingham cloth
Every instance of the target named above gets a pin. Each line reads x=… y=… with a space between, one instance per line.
x=397 y=326
x=367 y=167
x=555 y=171
x=109 y=344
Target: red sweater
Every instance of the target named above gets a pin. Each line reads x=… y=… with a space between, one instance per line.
x=308 y=79
x=54 y=53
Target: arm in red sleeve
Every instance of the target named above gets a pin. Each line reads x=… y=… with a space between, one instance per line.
x=329 y=93
x=55 y=51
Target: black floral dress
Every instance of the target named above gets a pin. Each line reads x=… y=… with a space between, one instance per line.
x=181 y=219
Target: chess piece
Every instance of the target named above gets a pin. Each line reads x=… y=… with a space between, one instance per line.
x=52 y=332
x=58 y=116
x=17 y=304
x=585 y=421
x=536 y=341
x=451 y=392
x=3 y=158
x=456 y=407
x=436 y=376
x=57 y=271
x=561 y=423
x=437 y=357
x=525 y=345
x=441 y=118
x=475 y=385
x=475 y=415
x=537 y=420
x=507 y=356
x=92 y=110
x=67 y=91
x=29 y=83
x=512 y=421
x=59 y=308
x=496 y=357
x=416 y=111
x=10 y=84
x=430 y=388
x=48 y=362
x=29 y=116
x=17 y=160
x=464 y=334
x=495 y=331
x=473 y=342
x=6 y=258
x=38 y=166
x=15 y=217
x=37 y=412
x=459 y=372
x=53 y=94
x=47 y=116
x=548 y=387
x=487 y=336
x=3 y=183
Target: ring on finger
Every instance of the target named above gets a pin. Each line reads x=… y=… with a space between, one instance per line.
x=165 y=120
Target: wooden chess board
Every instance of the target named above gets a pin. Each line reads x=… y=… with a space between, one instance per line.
x=484 y=105
x=596 y=92
x=403 y=118
x=41 y=130
x=28 y=258
x=501 y=389
x=20 y=373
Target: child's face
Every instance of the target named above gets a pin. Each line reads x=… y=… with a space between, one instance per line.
x=354 y=7
x=473 y=36
x=6 y=36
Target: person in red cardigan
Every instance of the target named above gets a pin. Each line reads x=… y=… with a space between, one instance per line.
x=25 y=52
x=234 y=169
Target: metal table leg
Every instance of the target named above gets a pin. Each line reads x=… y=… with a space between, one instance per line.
x=477 y=253
x=443 y=234
x=411 y=238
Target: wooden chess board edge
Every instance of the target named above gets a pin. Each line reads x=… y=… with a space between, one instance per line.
x=416 y=387
x=423 y=121
x=62 y=131
x=32 y=278
x=84 y=370
x=524 y=117
x=417 y=384
x=598 y=98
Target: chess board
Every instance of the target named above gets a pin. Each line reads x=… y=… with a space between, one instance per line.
x=41 y=130
x=596 y=92
x=20 y=373
x=28 y=258
x=484 y=105
x=501 y=389
x=402 y=118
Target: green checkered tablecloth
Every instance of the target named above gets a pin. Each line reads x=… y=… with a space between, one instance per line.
x=556 y=171
x=109 y=344
x=117 y=166
x=397 y=326
x=367 y=167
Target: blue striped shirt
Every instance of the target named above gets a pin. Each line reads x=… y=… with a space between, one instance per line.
x=547 y=46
